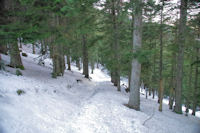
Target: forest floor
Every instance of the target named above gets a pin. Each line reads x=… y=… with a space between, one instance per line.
x=63 y=105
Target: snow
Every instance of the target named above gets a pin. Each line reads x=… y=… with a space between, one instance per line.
x=64 y=106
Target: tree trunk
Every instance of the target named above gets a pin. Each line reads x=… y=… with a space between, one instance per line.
x=15 y=58
x=112 y=77
x=188 y=95
x=45 y=45
x=160 y=98
x=118 y=82
x=161 y=94
x=68 y=63
x=195 y=93
x=58 y=60
x=172 y=87
x=116 y=46
x=68 y=60
x=146 y=91
x=33 y=48
x=171 y=98
x=150 y=90
x=51 y=51
x=56 y=68
x=42 y=47
x=153 y=93
x=92 y=67
x=154 y=72
x=189 y=86
x=134 y=99
x=181 y=42
x=85 y=57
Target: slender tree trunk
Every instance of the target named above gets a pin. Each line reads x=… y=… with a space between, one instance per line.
x=195 y=84
x=146 y=92
x=62 y=59
x=42 y=47
x=171 y=100
x=189 y=86
x=134 y=99
x=15 y=58
x=51 y=50
x=116 y=46
x=33 y=48
x=181 y=42
x=68 y=59
x=150 y=90
x=172 y=87
x=153 y=93
x=68 y=63
x=154 y=72
x=45 y=45
x=92 y=67
x=85 y=58
x=160 y=95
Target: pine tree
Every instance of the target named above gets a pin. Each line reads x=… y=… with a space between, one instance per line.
x=181 y=42
x=134 y=99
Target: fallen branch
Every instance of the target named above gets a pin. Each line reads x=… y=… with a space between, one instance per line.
x=149 y=117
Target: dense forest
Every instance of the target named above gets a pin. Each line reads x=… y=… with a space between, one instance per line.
x=153 y=43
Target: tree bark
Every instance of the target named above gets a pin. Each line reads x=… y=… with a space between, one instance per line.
x=58 y=60
x=195 y=84
x=116 y=46
x=172 y=87
x=15 y=58
x=85 y=57
x=134 y=99
x=92 y=67
x=160 y=95
x=33 y=48
x=181 y=42
x=68 y=60
x=112 y=77
x=189 y=86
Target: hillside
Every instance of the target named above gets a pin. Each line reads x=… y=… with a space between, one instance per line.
x=65 y=105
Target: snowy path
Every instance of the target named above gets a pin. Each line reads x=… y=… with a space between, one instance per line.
x=64 y=106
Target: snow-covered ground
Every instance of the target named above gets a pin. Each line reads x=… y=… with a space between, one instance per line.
x=64 y=106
